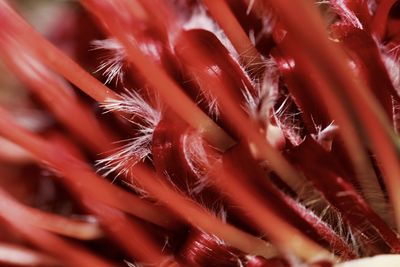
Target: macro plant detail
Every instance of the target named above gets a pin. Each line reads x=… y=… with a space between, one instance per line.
x=237 y=133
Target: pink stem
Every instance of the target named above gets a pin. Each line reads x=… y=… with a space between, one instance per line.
x=333 y=69
x=11 y=254
x=15 y=26
x=58 y=96
x=88 y=184
x=96 y=188
x=12 y=213
x=62 y=225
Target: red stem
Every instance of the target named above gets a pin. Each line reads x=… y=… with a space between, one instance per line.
x=262 y=150
x=59 y=97
x=76 y=255
x=198 y=216
x=80 y=178
x=96 y=188
x=248 y=54
x=13 y=25
x=348 y=93
x=62 y=225
x=282 y=234
x=170 y=92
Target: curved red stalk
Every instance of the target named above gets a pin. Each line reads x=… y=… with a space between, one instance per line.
x=167 y=157
x=202 y=249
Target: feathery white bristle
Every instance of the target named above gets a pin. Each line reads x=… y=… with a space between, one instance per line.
x=372 y=5
x=250 y=6
x=260 y=103
x=113 y=61
x=288 y=123
x=347 y=15
x=325 y=136
x=322 y=2
x=327 y=132
x=137 y=148
x=130 y=264
x=199 y=162
x=211 y=102
x=392 y=65
x=132 y=103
